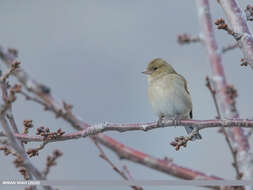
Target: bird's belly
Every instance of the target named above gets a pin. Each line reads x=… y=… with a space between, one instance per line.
x=168 y=103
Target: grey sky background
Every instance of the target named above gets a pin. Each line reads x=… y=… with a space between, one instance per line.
x=91 y=53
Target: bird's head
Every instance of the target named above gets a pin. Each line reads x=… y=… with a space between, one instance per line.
x=158 y=66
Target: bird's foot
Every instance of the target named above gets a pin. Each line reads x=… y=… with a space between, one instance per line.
x=176 y=121
x=160 y=121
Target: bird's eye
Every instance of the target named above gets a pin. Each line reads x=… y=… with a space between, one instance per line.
x=155 y=68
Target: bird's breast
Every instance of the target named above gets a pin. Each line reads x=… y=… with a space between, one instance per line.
x=169 y=98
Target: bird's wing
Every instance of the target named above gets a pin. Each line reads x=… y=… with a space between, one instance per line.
x=185 y=84
x=186 y=89
x=190 y=114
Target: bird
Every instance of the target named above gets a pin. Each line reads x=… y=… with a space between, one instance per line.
x=168 y=93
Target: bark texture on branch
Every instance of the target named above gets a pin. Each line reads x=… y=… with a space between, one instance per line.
x=163 y=165
x=120 y=149
x=238 y=137
x=19 y=149
x=126 y=127
x=238 y=22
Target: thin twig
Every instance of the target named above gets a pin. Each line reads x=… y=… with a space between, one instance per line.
x=123 y=151
x=51 y=161
x=213 y=93
x=14 y=142
x=13 y=124
x=229 y=47
x=250 y=133
x=225 y=97
x=187 y=39
x=183 y=140
x=126 y=127
x=233 y=152
x=127 y=172
x=35 y=151
x=221 y=25
x=114 y=167
x=16 y=146
x=13 y=67
x=238 y=24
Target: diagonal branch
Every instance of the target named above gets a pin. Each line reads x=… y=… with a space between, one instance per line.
x=17 y=147
x=115 y=168
x=239 y=139
x=120 y=149
x=13 y=141
x=237 y=21
x=222 y=130
x=229 y=47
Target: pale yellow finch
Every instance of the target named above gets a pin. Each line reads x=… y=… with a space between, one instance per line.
x=168 y=93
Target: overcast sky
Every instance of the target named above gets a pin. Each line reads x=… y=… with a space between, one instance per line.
x=91 y=53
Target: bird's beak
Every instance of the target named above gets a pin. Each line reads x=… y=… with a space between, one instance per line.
x=147 y=72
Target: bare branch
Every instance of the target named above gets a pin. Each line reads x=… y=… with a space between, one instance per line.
x=229 y=47
x=182 y=141
x=19 y=164
x=30 y=169
x=126 y=127
x=127 y=173
x=164 y=165
x=25 y=160
x=221 y=24
x=233 y=152
x=249 y=12
x=225 y=97
x=238 y=24
x=250 y=133
x=27 y=125
x=213 y=93
x=10 y=117
x=114 y=167
x=13 y=67
x=121 y=150
x=51 y=161
x=187 y=39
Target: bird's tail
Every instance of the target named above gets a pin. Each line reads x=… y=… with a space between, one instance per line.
x=196 y=136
